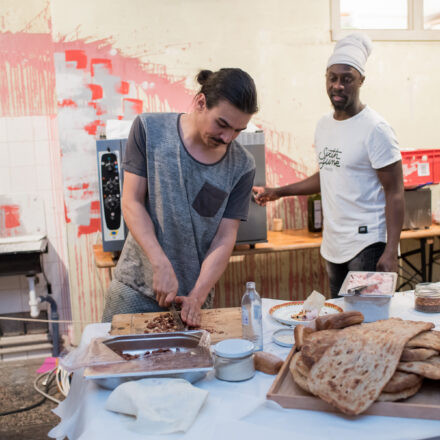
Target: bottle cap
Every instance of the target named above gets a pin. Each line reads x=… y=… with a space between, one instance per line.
x=250 y=285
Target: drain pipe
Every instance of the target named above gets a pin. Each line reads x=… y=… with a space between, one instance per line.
x=53 y=317
x=33 y=301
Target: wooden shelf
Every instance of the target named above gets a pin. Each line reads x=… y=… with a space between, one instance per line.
x=287 y=240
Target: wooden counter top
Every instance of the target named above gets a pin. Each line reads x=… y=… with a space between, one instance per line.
x=287 y=240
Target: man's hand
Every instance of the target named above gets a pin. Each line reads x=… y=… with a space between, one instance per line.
x=262 y=195
x=165 y=284
x=387 y=263
x=190 y=309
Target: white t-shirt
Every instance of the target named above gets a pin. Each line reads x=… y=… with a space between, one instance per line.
x=349 y=152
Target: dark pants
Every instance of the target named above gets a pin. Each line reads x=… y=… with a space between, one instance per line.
x=365 y=260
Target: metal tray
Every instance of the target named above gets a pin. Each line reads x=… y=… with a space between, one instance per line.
x=188 y=357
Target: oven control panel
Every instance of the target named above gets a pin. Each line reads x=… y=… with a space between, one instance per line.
x=109 y=157
x=111 y=190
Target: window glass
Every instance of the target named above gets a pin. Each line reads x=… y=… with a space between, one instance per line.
x=375 y=14
x=431 y=14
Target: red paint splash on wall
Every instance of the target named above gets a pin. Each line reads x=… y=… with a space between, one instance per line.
x=123 y=88
x=135 y=105
x=96 y=90
x=67 y=103
x=159 y=83
x=95 y=220
x=27 y=72
x=77 y=56
x=11 y=216
x=106 y=62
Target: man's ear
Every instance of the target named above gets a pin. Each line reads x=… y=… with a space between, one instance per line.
x=362 y=79
x=200 y=102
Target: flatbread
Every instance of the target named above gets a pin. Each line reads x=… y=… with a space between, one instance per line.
x=402 y=381
x=160 y=405
x=316 y=344
x=353 y=371
x=301 y=366
x=430 y=339
x=404 y=394
x=300 y=333
x=417 y=354
x=429 y=368
x=298 y=378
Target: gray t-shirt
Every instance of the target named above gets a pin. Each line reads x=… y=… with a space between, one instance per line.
x=186 y=199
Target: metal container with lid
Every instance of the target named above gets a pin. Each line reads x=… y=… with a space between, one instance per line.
x=234 y=360
x=427 y=297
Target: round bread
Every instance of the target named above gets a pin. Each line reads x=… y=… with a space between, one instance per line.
x=402 y=381
x=298 y=378
x=300 y=333
x=339 y=320
x=404 y=394
x=301 y=366
x=417 y=354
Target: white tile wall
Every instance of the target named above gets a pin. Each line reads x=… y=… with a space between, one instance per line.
x=5 y=179
x=11 y=301
x=21 y=154
x=26 y=168
x=23 y=179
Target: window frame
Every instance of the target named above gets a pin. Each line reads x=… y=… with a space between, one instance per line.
x=414 y=32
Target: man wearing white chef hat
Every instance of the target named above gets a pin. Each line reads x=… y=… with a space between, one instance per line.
x=360 y=173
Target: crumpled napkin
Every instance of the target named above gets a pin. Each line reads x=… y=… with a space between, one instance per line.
x=160 y=405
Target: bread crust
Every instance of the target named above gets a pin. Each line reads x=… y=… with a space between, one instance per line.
x=339 y=320
x=267 y=362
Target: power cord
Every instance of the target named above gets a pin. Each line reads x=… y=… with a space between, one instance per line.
x=49 y=378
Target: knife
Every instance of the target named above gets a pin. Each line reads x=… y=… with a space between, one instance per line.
x=358 y=289
x=180 y=325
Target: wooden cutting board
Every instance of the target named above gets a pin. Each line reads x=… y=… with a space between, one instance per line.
x=424 y=405
x=222 y=323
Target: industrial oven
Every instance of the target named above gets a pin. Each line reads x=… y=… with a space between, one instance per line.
x=110 y=180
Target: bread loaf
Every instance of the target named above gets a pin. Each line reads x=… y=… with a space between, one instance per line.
x=267 y=363
x=300 y=334
x=339 y=320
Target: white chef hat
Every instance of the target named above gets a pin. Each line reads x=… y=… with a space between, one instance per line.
x=352 y=50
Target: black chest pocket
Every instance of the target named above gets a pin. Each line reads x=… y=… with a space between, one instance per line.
x=208 y=200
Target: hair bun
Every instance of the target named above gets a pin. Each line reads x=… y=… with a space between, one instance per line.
x=203 y=76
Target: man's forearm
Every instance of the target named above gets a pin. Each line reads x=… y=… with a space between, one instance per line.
x=311 y=185
x=394 y=212
x=141 y=227
x=213 y=266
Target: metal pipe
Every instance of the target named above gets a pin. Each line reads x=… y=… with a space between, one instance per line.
x=55 y=326
x=33 y=301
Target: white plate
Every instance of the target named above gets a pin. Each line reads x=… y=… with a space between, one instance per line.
x=284 y=337
x=283 y=312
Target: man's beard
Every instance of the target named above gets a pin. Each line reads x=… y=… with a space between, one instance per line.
x=339 y=105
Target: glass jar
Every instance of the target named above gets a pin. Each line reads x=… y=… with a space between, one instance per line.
x=234 y=360
x=427 y=298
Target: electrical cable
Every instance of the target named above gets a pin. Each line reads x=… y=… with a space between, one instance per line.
x=63 y=378
x=36 y=404
x=47 y=396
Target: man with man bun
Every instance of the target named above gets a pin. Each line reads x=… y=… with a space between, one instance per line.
x=187 y=186
x=360 y=173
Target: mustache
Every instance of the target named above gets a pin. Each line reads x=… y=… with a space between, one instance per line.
x=219 y=141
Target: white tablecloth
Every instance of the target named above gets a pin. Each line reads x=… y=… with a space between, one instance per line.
x=240 y=410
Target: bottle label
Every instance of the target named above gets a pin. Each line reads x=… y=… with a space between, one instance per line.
x=244 y=316
x=257 y=312
x=317 y=213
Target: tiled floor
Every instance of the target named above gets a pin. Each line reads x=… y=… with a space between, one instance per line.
x=17 y=391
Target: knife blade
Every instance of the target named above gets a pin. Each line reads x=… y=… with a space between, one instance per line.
x=177 y=318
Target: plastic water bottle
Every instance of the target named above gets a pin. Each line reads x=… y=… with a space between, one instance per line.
x=251 y=319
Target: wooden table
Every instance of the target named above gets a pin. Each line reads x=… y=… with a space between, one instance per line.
x=295 y=239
